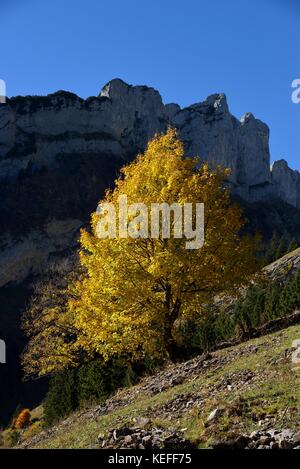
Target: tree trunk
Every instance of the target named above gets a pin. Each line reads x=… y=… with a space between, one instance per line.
x=171 y=346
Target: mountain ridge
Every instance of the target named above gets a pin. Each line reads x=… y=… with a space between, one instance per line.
x=249 y=171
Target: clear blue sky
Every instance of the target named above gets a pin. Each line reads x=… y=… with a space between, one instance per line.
x=185 y=49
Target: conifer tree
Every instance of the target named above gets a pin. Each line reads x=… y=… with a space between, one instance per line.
x=293 y=245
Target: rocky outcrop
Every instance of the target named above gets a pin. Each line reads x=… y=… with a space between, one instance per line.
x=38 y=132
x=31 y=254
x=286 y=182
x=210 y=131
x=59 y=152
x=264 y=439
x=141 y=438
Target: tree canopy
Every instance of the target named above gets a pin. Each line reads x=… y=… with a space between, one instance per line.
x=136 y=289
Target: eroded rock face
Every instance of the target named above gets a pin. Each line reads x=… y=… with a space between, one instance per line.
x=30 y=254
x=287 y=182
x=59 y=152
x=211 y=132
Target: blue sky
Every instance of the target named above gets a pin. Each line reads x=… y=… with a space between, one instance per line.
x=185 y=49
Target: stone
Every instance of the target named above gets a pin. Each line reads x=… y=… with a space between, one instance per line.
x=287 y=433
x=141 y=421
x=119 y=432
x=240 y=442
x=265 y=440
x=284 y=444
x=214 y=415
x=128 y=439
x=255 y=435
x=296 y=439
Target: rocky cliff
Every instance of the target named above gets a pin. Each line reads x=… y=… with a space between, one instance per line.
x=59 y=152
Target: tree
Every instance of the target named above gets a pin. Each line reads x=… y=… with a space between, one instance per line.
x=281 y=248
x=273 y=291
x=61 y=398
x=272 y=248
x=290 y=295
x=137 y=289
x=48 y=323
x=293 y=245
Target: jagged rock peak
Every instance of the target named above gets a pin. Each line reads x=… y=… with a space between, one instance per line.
x=117 y=88
x=218 y=101
x=248 y=117
x=114 y=87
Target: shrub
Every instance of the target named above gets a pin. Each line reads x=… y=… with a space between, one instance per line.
x=33 y=429
x=11 y=437
x=22 y=419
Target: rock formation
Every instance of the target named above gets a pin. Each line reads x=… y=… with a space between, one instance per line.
x=59 y=152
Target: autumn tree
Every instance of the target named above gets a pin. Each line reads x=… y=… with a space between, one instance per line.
x=48 y=322
x=138 y=288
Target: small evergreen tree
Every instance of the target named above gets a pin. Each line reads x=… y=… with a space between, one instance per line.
x=281 y=248
x=271 y=300
x=62 y=397
x=272 y=249
x=293 y=245
x=290 y=295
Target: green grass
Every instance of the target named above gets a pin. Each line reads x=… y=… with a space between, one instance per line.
x=273 y=393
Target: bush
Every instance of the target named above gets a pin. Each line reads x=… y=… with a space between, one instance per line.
x=11 y=437
x=33 y=429
x=22 y=419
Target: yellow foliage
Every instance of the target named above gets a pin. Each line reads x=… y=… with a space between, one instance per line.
x=136 y=289
x=49 y=324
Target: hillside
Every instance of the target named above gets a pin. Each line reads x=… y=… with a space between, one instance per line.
x=248 y=387
x=213 y=400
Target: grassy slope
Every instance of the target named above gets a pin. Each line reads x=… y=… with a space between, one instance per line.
x=255 y=381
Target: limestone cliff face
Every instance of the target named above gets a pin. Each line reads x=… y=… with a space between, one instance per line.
x=59 y=152
x=210 y=131
x=286 y=182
